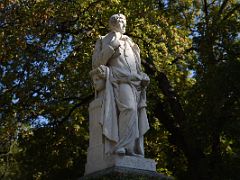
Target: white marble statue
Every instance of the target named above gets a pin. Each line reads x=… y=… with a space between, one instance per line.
x=121 y=84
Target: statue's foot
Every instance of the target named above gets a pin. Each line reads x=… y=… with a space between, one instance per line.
x=121 y=151
x=136 y=155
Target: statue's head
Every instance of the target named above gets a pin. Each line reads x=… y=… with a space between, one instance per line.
x=117 y=23
x=99 y=78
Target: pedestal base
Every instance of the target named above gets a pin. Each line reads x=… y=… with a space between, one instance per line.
x=120 y=161
x=122 y=173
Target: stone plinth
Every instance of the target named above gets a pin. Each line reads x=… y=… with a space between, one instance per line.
x=95 y=129
x=96 y=158
x=133 y=162
x=123 y=173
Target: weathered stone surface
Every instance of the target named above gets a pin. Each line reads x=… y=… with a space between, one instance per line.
x=123 y=173
x=120 y=161
x=117 y=116
x=95 y=128
x=96 y=157
x=121 y=85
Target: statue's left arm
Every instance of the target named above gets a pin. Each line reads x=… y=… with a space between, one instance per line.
x=101 y=54
x=144 y=77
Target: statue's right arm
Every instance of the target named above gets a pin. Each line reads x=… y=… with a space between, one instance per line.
x=101 y=54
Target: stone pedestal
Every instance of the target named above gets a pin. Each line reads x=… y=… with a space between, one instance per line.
x=97 y=160
x=123 y=173
x=121 y=161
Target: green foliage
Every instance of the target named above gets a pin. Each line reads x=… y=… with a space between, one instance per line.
x=45 y=56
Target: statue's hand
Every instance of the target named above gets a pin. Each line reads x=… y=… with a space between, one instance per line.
x=145 y=80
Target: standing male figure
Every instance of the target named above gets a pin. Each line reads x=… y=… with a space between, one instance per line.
x=124 y=76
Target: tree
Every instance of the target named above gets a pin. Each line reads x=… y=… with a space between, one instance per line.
x=190 y=49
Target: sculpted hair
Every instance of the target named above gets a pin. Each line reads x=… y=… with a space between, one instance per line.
x=114 y=19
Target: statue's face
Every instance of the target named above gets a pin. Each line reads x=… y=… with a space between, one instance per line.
x=99 y=83
x=121 y=25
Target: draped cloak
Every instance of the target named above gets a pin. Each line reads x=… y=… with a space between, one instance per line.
x=103 y=55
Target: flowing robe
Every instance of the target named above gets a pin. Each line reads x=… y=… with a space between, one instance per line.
x=124 y=120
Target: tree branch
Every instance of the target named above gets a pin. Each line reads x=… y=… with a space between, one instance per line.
x=224 y=4
x=175 y=124
x=231 y=12
x=85 y=100
x=168 y=91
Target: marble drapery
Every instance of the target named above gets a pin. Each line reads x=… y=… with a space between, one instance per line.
x=124 y=121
